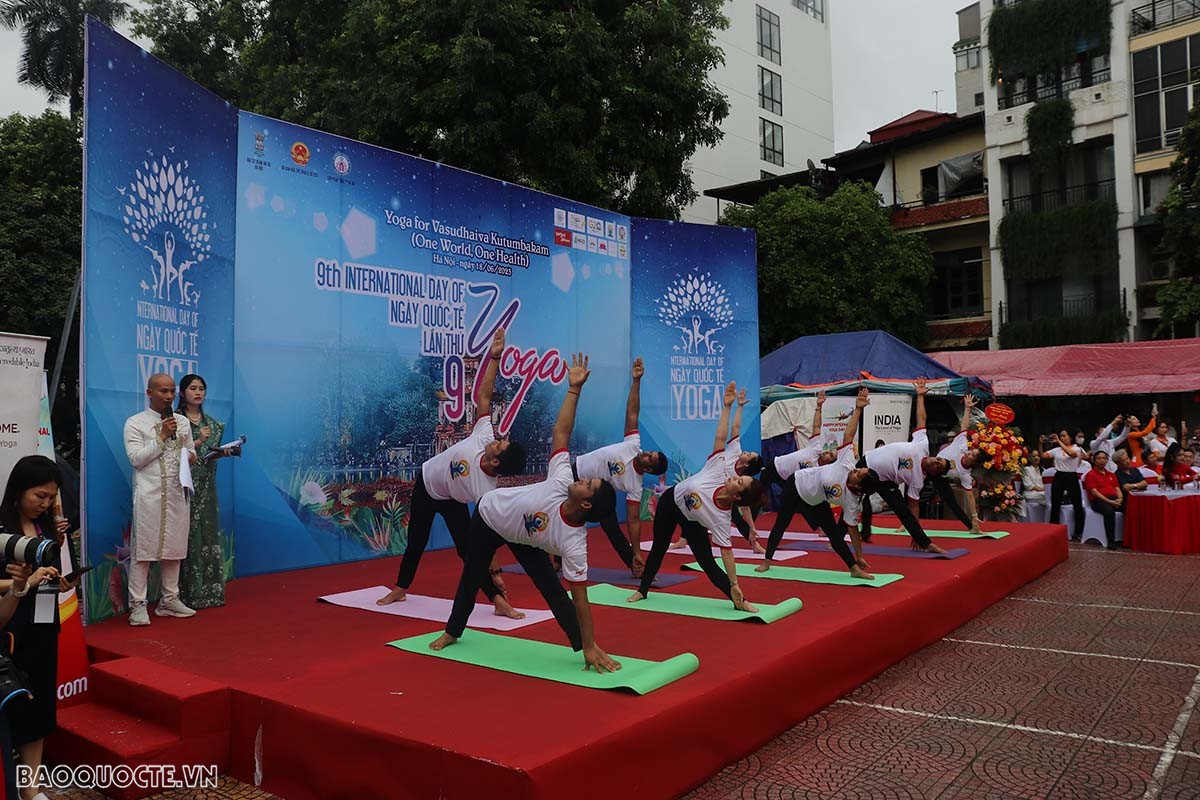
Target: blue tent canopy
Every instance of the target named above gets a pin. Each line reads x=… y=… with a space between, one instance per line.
x=840 y=363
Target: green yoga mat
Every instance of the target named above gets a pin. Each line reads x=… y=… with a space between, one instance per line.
x=942 y=534
x=808 y=575
x=552 y=662
x=706 y=607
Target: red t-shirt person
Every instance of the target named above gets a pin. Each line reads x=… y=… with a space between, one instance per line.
x=1102 y=481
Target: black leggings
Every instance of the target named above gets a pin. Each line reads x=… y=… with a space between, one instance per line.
x=890 y=492
x=421 y=511
x=666 y=520
x=1110 y=521
x=612 y=529
x=1067 y=483
x=818 y=517
x=946 y=492
x=481 y=545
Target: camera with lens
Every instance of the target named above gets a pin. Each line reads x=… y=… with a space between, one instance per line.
x=35 y=551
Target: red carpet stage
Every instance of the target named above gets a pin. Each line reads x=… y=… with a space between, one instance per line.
x=308 y=695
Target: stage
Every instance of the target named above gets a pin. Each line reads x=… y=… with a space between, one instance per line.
x=313 y=701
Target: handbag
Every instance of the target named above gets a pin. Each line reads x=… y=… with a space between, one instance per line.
x=13 y=682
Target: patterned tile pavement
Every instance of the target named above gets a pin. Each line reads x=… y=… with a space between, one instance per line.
x=1080 y=685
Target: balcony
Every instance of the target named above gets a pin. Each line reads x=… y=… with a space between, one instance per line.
x=1054 y=90
x=1077 y=319
x=1058 y=198
x=1162 y=14
x=959 y=207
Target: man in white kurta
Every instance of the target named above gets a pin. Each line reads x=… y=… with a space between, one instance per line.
x=155 y=441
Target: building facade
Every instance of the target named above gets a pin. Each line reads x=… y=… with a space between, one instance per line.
x=778 y=78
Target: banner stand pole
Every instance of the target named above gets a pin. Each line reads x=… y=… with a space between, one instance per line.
x=64 y=340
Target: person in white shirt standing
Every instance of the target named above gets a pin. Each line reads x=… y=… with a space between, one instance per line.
x=459 y=475
x=1106 y=443
x=624 y=465
x=1067 y=459
x=812 y=490
x=700 y=506
x=537 y=521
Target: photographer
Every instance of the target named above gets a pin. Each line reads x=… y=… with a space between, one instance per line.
x=32 y=630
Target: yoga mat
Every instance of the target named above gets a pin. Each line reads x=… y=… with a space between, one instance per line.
x=935 y=534
x=552 y=662
x=876 y=550
x=806 y=575
x=705 y=607
x=738 y=552
x=621 y=577
x=434 y=609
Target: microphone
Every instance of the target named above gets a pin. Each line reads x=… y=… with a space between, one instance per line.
x=166 y=415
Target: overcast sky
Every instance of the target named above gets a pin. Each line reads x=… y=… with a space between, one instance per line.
x=888 y=58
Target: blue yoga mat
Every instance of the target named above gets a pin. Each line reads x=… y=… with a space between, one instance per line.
x=877 y=550
x=620 y=577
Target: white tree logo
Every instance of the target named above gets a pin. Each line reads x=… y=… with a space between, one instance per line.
x=699 y=308
x=164 y=213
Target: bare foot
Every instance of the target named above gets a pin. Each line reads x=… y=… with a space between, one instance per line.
x=445 y=640
x=763 y=567
x=636 y=597
x=758 y=548
x=682 y=543
x=396 y=595
x=862 y=562
x=746 y=606
x=858 y=572
x=933 y=548
x=505 y=609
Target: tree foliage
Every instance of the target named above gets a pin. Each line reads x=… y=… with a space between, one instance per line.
x=1180 y=210
x=52 y=42
x=1179 y=301
x=1079 y=239
x=1038 y=37
x=600 y=102
x=835 y=265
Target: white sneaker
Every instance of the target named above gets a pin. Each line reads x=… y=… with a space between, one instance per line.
x=172 y=606
x=138 y=615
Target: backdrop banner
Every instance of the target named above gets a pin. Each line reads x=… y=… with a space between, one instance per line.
x=21 y=379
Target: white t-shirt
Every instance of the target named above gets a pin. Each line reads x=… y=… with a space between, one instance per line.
x=614 y=463
x=954 y=453
x=1157 y=447
x=733 y=451
x=697 y=498
x=1107 y=443
x=455 y=474
x=1064 y=462
x=817 y=485
x=532 y=515
x=787 y=464
x=900 y=462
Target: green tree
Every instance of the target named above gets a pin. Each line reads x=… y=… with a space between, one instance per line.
x=52 y=42
x=1180 y=215
x=601 y=102
x=834 y=265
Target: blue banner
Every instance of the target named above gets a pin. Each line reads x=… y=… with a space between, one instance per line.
x=695 y=320
x=159 y=195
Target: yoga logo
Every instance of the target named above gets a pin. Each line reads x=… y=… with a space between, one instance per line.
x=459 y=469
x=536 y=523
x=904 y=463
x=698 y=307
x=163 y=210
x=833 y=492
x=692 y=501
x=616 y=468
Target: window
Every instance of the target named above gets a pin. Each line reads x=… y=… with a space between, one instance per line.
x=929 y=186
x=1154 y=190
x=967 y=59
x=814 y=8
x=1166 y=84
x=978 y=99
x=768 y=36
x=957 y=287
x=770 y=140
x=770 y=91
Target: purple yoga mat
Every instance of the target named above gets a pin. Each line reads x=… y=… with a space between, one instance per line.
x=877 y=550
x=617 y=577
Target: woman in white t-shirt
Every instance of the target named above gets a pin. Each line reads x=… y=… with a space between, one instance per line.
x=1068 y=459
x=700 y=507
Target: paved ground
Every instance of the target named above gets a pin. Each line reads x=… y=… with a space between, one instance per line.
x=1080 y=685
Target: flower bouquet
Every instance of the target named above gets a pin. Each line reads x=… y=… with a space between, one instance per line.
x=1003 y=455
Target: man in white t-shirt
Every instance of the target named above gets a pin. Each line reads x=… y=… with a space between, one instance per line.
x=459 y=475
x=624 y=466
x=960 y=458
x=1106 y=442
x=537 y=521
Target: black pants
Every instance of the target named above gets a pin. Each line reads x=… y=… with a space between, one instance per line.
x=818 y=517
x=612 y=529
x=890 y=492
x=420 y=522
x=666 y=520
x=481 y=545
x=946 y=492
x=739 y=522
x=1110 y=520
x=1066 y=484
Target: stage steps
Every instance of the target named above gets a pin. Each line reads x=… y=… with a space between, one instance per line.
x=142 y=713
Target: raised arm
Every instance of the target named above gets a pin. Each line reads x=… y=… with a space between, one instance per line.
x=815 y=434
x=723 y=422
x=920 y=388
x=1105 y=432
x=1142 y=433
x=736 y=430
x=634 y=404
x=968 y=404
x=576 y=377
x=487 y=387
x=852 y=426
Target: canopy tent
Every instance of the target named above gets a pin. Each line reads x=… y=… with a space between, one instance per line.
x=841 y=363
x=1084 y=369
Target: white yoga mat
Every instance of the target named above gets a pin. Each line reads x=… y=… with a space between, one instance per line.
x=750 y=555
x=434 y=609
x=795 y=535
